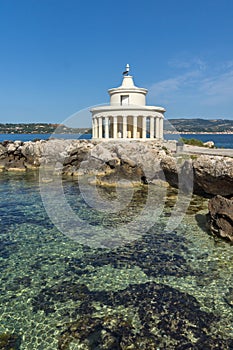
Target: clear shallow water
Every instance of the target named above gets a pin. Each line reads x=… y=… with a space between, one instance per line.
x=164 y=290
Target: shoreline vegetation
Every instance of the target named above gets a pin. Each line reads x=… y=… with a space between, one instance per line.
x=196 y=142
x=171 y=126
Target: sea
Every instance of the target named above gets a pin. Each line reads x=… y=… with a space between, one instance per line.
x=88 y=267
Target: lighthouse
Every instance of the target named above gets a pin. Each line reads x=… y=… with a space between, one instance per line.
x=127 y=116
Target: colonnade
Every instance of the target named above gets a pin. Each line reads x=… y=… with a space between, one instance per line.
x=136 y=127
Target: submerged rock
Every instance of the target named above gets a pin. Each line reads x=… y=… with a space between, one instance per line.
x=229 y=297
x=220 y=217
x=155 y=316
x=9 y=341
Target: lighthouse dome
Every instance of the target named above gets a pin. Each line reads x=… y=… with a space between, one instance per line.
x=128 y=93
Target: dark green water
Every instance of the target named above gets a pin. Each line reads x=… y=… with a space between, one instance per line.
x=161 y=290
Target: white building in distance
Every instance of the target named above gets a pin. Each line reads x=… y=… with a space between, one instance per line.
x=127 y=116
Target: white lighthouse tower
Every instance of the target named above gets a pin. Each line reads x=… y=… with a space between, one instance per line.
x=127 y=116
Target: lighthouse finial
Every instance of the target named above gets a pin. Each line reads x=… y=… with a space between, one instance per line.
x=126 y=72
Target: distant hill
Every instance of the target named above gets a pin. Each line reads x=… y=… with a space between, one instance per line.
x=40 y=128
x=198 y=125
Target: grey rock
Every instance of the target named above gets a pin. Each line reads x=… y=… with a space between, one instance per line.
x=229 y=297
x=220 y=217
x=214 y=174
x=133 y=159
x=3 y=152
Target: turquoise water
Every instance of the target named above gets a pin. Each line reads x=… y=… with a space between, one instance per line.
x=163 y=290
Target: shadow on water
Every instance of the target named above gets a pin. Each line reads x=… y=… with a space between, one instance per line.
x=201 y=220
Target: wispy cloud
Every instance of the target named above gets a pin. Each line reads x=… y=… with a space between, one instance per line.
x=188 y=63
x=217 y=89
x=197 y=91
x=165 y=89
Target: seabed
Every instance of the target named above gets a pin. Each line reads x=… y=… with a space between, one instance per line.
x=163 y=290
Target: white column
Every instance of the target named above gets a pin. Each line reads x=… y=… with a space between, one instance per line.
x=114 y=127
x=100 y=128
x=94 y=130
x=143 y=127
x=152 y=128
x=157 y=135
x=135 y=119
x=124 y=127
x=97 y=127
x=106 y=127
x=161 y=128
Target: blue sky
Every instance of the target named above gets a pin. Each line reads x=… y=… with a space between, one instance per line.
x=60 y=56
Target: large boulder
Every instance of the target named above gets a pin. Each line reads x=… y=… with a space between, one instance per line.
x=214 y=174
x=134 y=161
x=32 y=152
x=220 y=217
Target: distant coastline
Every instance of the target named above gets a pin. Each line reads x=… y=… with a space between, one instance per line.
x=198 y=132
x=40 y=128
x=193 y=126
x=165 y=132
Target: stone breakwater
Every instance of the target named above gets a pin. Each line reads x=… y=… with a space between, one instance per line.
x=140 y=162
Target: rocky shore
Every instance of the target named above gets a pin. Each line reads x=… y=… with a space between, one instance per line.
x=140 y=162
